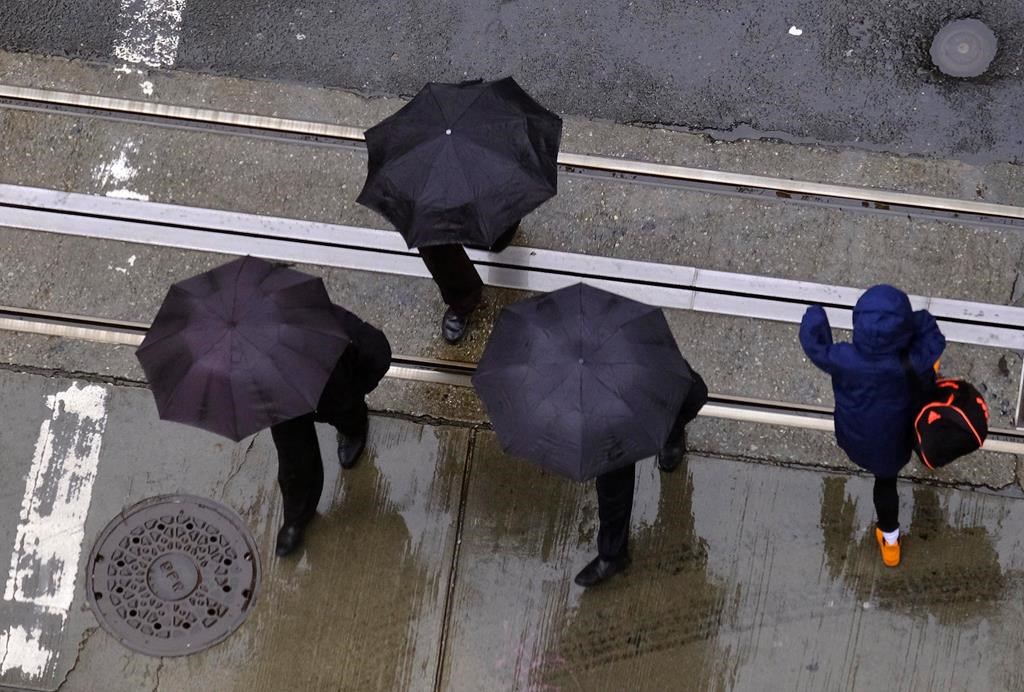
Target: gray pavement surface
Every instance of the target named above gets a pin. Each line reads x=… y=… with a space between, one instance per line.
x=854 y=75
x=946 y=177
x=439 y=559
x=613 y=218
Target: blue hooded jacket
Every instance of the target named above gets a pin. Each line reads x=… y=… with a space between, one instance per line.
x=874 y=407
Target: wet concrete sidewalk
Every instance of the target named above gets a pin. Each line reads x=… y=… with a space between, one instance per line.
x=439 y=563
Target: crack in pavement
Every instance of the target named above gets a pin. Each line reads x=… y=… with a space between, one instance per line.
x=86 y=636
x=1014 y=297
x=82 y=375
x=159 y=669
x=244 y=457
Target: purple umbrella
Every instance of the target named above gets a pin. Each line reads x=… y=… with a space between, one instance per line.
x=242 y=347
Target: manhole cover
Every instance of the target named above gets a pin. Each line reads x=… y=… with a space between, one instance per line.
x=964 y=48
x=173 y=575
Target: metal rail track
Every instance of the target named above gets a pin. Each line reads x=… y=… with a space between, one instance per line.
x=671 y=286
x=705 y=180
x=459 y=374
x=520 y=268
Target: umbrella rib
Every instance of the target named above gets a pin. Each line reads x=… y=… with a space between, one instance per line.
x=273 y=364
x=464 y=110
x=173 y=392
x=397 y=161
x=618 y=329
x=640 y=419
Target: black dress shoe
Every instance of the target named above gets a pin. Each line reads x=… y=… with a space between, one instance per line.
x=671 y=456
x=599 y=569
x=289 y=538
x=350 y=446
x=453 y=326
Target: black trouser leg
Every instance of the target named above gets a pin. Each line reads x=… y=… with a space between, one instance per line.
x=692 y=404
x=614 y=506
x=300 y=471
x=352 y=420
x=453 y=272
x=887 y=503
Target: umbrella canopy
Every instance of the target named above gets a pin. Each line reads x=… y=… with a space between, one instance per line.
x=242 y=347
x=582 y=381
x=462 y=163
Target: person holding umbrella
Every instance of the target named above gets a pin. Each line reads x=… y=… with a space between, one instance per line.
x=586 y=383
x=615 y=492
x=461 y=164
x=251 y=345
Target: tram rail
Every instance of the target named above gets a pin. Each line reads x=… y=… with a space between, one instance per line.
x=459 y=374
x=848 y=197
x=520 y=268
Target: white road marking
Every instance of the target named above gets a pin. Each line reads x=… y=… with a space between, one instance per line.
x=150 y=31
x=127 y=194
x=118 y=170
x=793 y=31
x=117 y=173
x=21 y=648
x=51 y=528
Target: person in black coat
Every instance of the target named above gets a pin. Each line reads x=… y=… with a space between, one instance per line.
x=342 y=404
x=615 y=493
x=460 y=284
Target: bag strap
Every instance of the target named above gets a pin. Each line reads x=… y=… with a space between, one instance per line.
x=908 y=370
x=918 y=389
x=912 y=381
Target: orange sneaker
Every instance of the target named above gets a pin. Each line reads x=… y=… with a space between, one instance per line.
x=890 y=552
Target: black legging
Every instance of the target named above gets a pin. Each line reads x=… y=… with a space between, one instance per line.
x=455 y=275
x=887 y=503
x=300 y=470
x=615 y=488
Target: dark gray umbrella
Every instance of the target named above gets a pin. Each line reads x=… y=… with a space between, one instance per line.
x=242 y=347
x=582 y=381
x=462 y=163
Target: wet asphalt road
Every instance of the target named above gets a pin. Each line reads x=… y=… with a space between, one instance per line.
x=839 y=73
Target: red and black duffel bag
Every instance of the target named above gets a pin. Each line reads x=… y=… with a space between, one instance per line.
x=951 y=419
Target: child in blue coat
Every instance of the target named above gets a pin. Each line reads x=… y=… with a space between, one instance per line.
x=874 y=405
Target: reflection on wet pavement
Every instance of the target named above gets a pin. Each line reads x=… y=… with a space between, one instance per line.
x=360 y=607
x=745 y=577
x=441 y=563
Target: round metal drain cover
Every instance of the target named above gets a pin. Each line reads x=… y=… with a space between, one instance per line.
x=964 y=48
x=173 y=575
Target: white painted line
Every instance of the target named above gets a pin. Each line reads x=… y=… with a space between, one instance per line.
x=22 y=649
x=150 y=31
x=51 y=528
x=114 y=177
x=58 y=492
x=532 y=269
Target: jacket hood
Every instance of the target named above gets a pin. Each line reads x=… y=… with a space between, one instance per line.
x=883 y=321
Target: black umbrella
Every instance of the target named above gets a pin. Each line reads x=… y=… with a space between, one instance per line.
x=462 y=163
x=582 y=381
x=242 y=347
